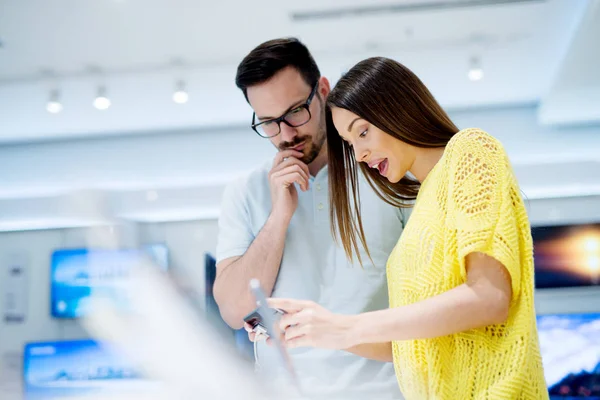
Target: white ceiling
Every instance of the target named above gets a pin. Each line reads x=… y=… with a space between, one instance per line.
x=542 y=52
x=575 y=94
x=120 y=35
x=139 y=48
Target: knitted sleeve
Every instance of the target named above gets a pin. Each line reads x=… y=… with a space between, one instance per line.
x=481 y=202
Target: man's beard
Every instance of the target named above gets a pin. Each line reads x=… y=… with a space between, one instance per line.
x=311 y=148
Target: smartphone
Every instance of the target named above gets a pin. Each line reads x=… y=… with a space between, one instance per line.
x=257 y=321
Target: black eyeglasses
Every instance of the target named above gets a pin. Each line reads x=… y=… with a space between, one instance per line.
x=295 y=117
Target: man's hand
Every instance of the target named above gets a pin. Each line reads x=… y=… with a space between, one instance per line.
x=287 y=169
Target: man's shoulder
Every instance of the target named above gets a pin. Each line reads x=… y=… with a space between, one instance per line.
x=260 y=174
x=370 y=200
x=368 y=195
x=255 y=181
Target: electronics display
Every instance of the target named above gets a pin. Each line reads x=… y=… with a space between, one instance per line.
x=566 y=256
x=77 y=274
x=77 y=369
x=570 y=347
x=257 y=321
x=269 y=318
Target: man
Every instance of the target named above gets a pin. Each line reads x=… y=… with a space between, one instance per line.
x=274 y=224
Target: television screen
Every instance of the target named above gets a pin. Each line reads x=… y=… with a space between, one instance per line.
x=566 y=256
x=570 y=347
x=69 y=369
x=77 y=274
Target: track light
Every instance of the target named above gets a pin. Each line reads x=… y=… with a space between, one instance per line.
x=475 y=70
x=54 y=105
x=101 y=102
x=180 y=96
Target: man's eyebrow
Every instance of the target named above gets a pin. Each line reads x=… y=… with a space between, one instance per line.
x=290 y=108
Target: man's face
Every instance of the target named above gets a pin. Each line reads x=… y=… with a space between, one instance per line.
x=283 y=92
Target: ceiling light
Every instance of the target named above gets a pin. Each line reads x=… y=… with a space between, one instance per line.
x=54 y=105
x=475 y=70
x=101 y=102
x=181 y=96
x=475 y=74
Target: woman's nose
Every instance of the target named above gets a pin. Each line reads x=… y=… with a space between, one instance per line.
x=360 y=154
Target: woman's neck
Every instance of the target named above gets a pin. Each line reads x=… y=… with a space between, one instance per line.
x=425 y=160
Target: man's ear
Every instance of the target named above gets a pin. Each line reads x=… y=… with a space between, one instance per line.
x=324 y=87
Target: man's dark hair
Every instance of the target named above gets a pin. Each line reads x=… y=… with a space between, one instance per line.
x=270 y=57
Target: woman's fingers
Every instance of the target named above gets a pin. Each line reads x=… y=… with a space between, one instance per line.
x=294 y=319
x=298 y=316
x=294 y=332
x=289 y=305
x=301 y=341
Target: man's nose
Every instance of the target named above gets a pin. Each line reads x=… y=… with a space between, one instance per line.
x=288 y=133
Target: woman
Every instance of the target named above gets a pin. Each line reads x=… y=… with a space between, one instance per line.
x=461 y=322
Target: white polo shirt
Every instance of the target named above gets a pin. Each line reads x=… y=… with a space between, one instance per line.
x=315 y=268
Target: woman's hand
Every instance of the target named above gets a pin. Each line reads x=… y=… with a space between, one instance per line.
x=307 y=324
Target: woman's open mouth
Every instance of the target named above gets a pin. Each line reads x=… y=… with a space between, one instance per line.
x=381 y=165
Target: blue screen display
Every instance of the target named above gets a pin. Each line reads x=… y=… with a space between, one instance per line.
x=78 y=368
x=570 y=346
x=77 y=274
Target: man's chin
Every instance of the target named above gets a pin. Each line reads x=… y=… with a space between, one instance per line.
x=309 y=157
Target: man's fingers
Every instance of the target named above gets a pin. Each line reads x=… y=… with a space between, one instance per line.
x=280 y=156
x=292 y=165
x=295 y=161
x=290 y=175
x=292 y=160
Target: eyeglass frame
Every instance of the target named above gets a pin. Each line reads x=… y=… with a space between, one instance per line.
x=281 y=119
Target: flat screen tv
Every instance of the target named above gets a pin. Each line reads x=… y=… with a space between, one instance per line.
x=566 y=256
x=77 y=274
x=78 y=369
x=570 y=347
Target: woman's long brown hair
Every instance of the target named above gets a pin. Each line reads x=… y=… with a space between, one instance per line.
x=388 y=95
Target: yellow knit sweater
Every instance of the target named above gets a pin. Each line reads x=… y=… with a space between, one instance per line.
x=469 y=202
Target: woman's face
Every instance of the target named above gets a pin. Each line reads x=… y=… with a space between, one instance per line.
x=390 y=156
